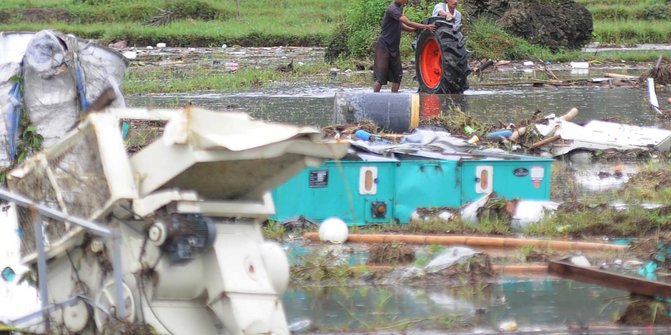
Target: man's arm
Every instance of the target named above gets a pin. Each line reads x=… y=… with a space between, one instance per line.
x=443 y=12
x=406 y=23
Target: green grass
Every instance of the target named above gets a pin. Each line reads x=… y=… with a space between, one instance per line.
x=632 y=32
x=187 y=23
x=636 y=12
x=202 y=77
x=306 y=23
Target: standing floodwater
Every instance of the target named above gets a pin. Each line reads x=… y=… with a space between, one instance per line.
x=538 y=305
x=315 y=106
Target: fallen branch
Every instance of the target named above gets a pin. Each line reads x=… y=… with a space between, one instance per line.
x=548 y=71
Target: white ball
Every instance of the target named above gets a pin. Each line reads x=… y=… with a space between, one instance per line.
x=333 y=230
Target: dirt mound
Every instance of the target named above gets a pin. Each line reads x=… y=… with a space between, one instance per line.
x=644 y=311
x=552 y=24
x=390 y=254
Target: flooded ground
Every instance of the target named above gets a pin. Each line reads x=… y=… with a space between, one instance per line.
x=533 y=304
x=315 y=105
x=538 y=305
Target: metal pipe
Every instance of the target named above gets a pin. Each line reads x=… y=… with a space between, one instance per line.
x=37 y=211
x=42 y=278
x=55 y=214
x=118 y=279
x=480 y=241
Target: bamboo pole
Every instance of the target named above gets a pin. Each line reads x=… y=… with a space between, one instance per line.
x=477 y=241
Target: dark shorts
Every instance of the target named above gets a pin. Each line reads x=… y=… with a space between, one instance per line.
x=387 y=65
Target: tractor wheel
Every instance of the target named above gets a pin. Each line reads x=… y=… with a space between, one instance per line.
x=441 y=61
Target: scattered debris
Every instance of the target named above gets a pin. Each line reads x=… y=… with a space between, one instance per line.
x=455 y=264
x=584 y=272
x=660 y=73
x=645 y=311
x=393 y=253
x=562 y=137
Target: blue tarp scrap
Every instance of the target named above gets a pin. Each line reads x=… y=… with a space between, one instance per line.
x=658 y=261
x=14 y=118
x=81 y=89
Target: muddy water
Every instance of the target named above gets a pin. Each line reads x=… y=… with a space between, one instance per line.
x=536 y=305
x=314 y=105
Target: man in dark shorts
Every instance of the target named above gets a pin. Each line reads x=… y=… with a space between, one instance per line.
x=387 y=63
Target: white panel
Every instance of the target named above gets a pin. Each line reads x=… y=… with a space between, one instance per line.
x=368 y=180
x=484 y=179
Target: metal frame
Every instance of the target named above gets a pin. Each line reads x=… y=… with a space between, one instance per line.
x=97 y=229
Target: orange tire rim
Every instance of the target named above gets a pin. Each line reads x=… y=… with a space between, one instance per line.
x=430 y=63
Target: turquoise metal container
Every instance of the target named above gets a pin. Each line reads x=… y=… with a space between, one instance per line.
x=389 y=191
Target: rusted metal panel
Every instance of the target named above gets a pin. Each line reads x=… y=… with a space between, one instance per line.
x=632 y=284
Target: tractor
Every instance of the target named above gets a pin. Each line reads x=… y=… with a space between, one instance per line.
x=441 y=58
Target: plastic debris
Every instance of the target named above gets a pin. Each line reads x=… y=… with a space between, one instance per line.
x=448 y=258
x=8 y=274
x=130 y=54
x=469 y=213
x=366 y=136
x=527 y=212
x=499 y=134
x=580 y=65
x=508 y=326
x=468 y=130
x=333 y=230
x=299 y=325
x=579 y=261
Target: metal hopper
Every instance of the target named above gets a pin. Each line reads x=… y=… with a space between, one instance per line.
x=188 y=209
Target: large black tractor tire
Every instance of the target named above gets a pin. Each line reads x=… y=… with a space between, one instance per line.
x=441 y=59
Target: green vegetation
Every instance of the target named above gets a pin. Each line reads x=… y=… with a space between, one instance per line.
x=180 y=22
x=320 y=267
x=201 y=75
x=615 y=22
x=591 y=216
x=273 y=230
x=627 y=22
x=354 y=24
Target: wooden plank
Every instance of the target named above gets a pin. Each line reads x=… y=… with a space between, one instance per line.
x=637 y=285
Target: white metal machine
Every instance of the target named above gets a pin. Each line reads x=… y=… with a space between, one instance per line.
x=187 y=210
x=167 y=238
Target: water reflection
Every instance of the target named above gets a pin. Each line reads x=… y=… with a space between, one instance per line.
x=315 y=105
x=532 y=303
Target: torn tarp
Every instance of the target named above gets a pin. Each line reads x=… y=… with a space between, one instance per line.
x=601 y=135
x=53 y=77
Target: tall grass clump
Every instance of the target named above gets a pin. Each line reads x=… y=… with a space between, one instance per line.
x=363 y=19
x=488 y=41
